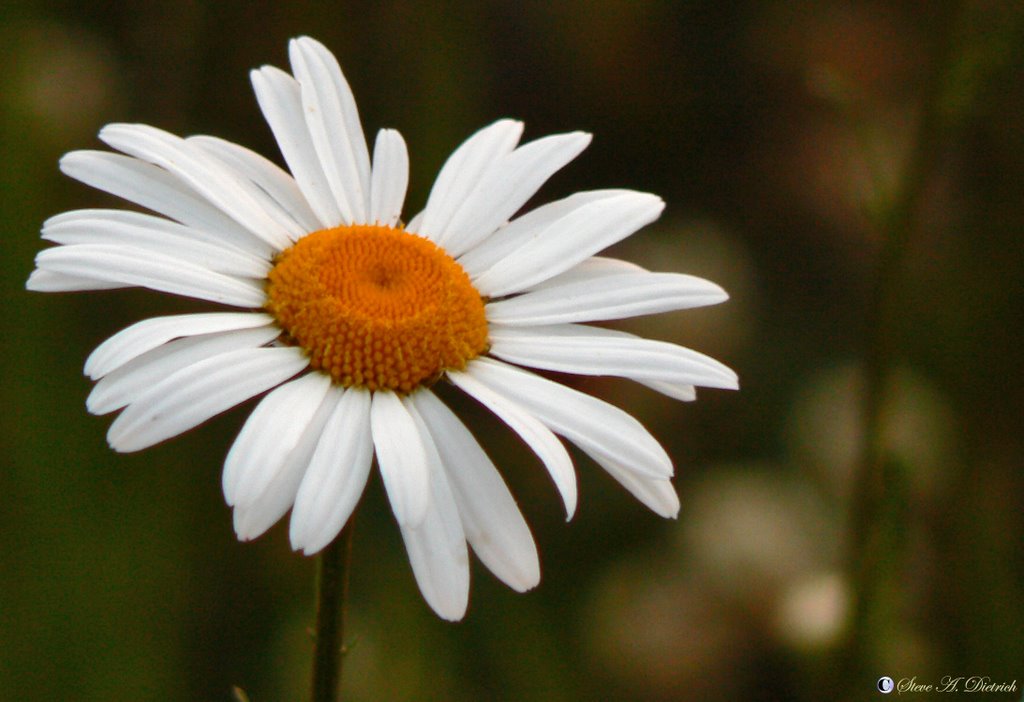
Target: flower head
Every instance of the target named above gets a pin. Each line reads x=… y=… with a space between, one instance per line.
x=350 y=317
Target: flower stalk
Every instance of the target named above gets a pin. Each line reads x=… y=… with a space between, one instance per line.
x=331 y=604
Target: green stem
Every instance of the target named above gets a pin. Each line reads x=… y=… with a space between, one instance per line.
x=332 y=598
x=878 y=481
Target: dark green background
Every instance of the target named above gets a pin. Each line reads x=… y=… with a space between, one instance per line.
x=775 y=131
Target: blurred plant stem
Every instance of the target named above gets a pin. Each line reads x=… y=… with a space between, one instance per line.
x=331 y=602
x=879 y=508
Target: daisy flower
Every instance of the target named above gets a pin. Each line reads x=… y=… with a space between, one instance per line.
x=348 y=317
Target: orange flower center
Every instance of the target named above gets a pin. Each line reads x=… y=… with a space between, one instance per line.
x=377 y=307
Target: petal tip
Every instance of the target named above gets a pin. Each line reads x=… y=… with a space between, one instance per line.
x=451 y=613
x=33 y=282
x=529 y=582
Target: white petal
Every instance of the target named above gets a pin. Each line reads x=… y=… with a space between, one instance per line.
x=506 y=187
x=462 y=172
x=677 y=391
x=257 y=198
x=571 y=239
x=270 y=433
x=48 y=281
x=127 y=265
x=258 y=180
x=337 y=473
x=574 y=348
x=401 y=457
x=537 y=436
x=133 y=379
x=250 y=246
x=208 y=176
x=657 y=494
x=146 y=335
x=612 y=296
x=194 y=394
x=333 y=123
x=437 y=545
x=390 y=178
x=158 y=235
x=522 y=229
x=260 y=512
x=490 y=517
x=280 y=100
x=593 y=268
x=416 y=225
x=266 y=174
x=600 y=429
x=159 y=191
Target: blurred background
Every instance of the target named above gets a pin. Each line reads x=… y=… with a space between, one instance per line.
x=851 y=172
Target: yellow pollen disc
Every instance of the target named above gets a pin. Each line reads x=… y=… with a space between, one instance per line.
x=377 y=307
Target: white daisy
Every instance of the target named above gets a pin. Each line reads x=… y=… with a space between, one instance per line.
x=350 y=318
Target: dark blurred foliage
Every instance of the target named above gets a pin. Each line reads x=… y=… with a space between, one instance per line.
x=777 y=132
